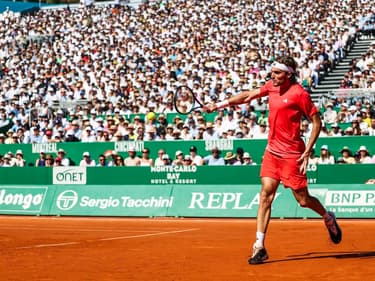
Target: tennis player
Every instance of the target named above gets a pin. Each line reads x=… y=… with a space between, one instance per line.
x=286 y=155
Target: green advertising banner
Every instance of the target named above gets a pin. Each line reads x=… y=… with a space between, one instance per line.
x=227 y=201
x=112 y=201
x=255 y=147
x=25 y=200
x=351 y=201
x=347 y=201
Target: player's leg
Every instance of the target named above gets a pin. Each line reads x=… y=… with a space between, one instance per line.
x=305 y=200
x=266 y=197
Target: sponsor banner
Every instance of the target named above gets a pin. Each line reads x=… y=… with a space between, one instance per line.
x=112 y=201
x=177 y=174
x=356 y=202
x=125 y=146
x=69 y=175
x=24 y=200
x=227 y=201
x=347 y=201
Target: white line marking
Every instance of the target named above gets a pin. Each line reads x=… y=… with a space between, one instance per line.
x=48 y=245
x=148 y=235
x=72 y=229
x=107 y=239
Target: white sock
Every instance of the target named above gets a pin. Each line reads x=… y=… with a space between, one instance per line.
x=259 y=243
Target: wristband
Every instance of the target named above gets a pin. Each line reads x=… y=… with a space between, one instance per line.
x=222 y=104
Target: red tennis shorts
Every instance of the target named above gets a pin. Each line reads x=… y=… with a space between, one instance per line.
x=285 y=170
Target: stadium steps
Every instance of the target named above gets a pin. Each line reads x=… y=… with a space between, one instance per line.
x=332 y=80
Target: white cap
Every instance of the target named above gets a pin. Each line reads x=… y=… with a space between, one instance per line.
x=246 y=155
x=362 y=148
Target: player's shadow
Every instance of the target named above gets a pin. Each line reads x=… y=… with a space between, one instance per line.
x=327 y=255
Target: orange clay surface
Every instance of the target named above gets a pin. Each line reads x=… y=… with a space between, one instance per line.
x=100 y=249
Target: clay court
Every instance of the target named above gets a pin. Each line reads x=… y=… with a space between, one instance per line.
x=65 y=248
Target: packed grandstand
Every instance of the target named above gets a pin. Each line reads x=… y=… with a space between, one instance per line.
x=108 y=73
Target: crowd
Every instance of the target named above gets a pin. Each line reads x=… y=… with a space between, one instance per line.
x=77 y=74
x=112 y=158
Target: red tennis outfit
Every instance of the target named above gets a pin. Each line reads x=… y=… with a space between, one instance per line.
x=285 y=144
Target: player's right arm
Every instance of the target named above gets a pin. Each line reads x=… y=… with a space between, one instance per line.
x=243 y=97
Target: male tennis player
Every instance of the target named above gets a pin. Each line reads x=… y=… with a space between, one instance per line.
x=286 y=156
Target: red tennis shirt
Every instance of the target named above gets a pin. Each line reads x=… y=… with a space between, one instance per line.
x=285 y=113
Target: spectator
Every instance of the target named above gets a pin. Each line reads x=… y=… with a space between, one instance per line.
x=196 y=159
x=210 y=133
x=239 y=154
x=87 y=161
x=179 y=160
x=372 y=127
x=364 y=155
x=7 y=161
x=41 y=161
x=305 y=129
x=325 y=156
x=57 y=162
x=35 y=136
x=313 y=159
x=336 y=130
x=19 y=161
x=343 y=114
x=341 y=160
x=102 y=161
x=2 y=138
x=214 y=159
x=9 y=139
x=262 y=133
x=88 y=136
x=132 y=159
x=119 y=161
x=347 y=155
x=159 y=160
x=357 y=158
x=145 y=159
x=166 y=160
x=187 y=160
x=49 y=160
x=61 y=159
x=231 y=160
x=247 y=160
x=330 y=115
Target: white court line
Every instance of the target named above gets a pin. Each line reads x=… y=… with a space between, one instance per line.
x=148 y=235
x=72 y=229
x=48 y=245
x=107 y=239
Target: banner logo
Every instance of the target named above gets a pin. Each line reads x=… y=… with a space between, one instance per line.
x=67 y=200
x=19 y=199
x=69 y=175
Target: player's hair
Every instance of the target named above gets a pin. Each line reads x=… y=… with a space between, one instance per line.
x=289 y=61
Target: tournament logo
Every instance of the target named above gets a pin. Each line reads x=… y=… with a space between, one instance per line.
x=67 y=200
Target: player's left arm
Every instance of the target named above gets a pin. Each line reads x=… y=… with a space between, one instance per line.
x=315 y=131
x=309 y=109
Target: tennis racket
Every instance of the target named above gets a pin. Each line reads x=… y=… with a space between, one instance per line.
x=185 y=100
